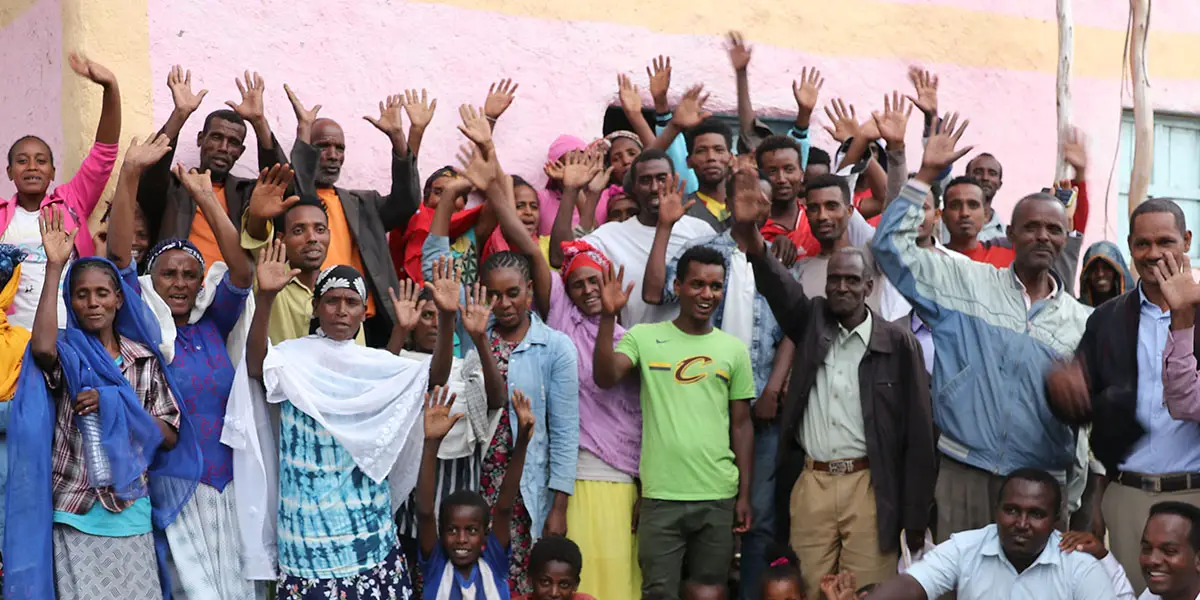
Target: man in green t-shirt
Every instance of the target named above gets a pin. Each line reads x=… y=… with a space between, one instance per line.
x=695 y=380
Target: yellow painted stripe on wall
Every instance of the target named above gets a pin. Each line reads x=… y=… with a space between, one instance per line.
x=91 y=26
x=873 y=29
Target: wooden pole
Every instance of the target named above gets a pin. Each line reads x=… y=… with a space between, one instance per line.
x=1066 y=51
x=1143 y=114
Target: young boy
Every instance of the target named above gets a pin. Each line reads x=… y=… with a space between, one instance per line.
x=467 y=561
x=555 y=564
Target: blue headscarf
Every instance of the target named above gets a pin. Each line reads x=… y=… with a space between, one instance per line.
x=130 y=437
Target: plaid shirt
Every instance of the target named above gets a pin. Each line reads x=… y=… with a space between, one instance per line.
x=69 y=476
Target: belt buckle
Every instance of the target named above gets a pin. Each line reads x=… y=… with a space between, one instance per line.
x=840 y=467
x=1152 y=484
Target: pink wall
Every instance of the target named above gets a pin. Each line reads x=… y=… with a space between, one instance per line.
x=31 y=77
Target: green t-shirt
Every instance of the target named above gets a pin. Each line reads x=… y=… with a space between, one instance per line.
x=687 y=384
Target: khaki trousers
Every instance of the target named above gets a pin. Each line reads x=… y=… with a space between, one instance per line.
x=834 y=529
x=1125 y=511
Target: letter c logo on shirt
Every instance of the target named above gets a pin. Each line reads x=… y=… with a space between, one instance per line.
x=681 y=371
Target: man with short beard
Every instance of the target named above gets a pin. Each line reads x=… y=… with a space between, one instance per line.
x=359 y=219
x=709 y=157
x=170 y=211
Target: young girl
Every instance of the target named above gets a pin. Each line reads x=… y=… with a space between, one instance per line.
x=555 y=566
x=518 y=351
x=781 y=581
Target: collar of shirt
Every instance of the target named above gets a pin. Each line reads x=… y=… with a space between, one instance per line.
x=1050 y=554
x=918 y=325
x=1149 y=308
x=1025 y=290
x=862 y=330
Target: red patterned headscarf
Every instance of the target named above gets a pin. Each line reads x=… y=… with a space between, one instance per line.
x=578 y=254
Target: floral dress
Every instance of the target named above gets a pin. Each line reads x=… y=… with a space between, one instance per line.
x=495 y=464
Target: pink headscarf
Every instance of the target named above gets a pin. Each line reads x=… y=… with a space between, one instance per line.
x=564 y=144
x=548 y=199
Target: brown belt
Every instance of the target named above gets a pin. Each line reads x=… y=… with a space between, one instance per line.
x=842 y=467
x=1159 y=483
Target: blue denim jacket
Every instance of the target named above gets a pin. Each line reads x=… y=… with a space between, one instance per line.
x=544 y=367
x=767 y=332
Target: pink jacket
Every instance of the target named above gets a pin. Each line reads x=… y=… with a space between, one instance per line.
x=80 y=195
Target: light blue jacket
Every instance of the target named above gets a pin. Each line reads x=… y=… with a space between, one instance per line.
x=992 y=352
x=544 y=367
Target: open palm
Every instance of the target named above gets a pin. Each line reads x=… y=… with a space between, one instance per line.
x=438 y=420
x=141 y=155
x=273 y=272
x=445 y=284
x=614 y=294
x=267 y=201
x=405 y=304
x=477 y=311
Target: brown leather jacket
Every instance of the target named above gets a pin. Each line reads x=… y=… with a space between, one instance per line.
x=895 y=406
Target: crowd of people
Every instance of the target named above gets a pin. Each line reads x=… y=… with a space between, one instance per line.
x=693 y=364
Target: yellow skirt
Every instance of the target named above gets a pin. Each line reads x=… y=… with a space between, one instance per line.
x=600 y=520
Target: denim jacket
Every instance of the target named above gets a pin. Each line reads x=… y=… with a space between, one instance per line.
x=544 y=367
x=767 y=333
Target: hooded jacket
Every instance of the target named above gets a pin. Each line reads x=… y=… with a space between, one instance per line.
x=1110 y=254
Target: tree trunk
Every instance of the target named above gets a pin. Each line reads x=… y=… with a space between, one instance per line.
x=1066 y=51
x=1143 y=114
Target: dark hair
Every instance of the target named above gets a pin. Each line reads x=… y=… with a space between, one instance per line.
x=1038 y=197
x=555 y=548
x=438 y=174
x=507 y=259
x=783 y=565
x=817 y=156
x=306 y=199
x=965 y=180
x=1160 y=205
x=707 y=581
x=646 y=156
x=90 y=264
x=986 y=155
x=468 y=499
x=519 y=181
x=225 y=115
x=709 y=125
x=1186 y=511
x=773 y=143
x=705 y=255
x=12 y=150
x=1035 y=476
x=828 y=180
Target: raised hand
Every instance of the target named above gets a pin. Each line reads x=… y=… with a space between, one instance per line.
x=893 y=121
x=445 y=284
x=405 y=304
x=525 y=418
x=196 y=182
x=140 y=156
x=389 y=121
x=630 y=95
x=500 y=96
x=690 y=111
x=304 y=117
x=671 y=207
x=180 y=84
x=926 y=86
x=91 y=70
x=419 y=108
x=438 y=420
x=940 y=149
x=614 y=294
x=56 y=240
x=1074 y=150
x=578 y=170
x=267 y=201
x=600 y=179
x=476 y=167
x=251 y=107
x=554 y=169
x=1174 y=278
x=660 y=80
x=476 y=311
x=808 y=89
x=273 y=273
x=844 y=120
x=739 y=52
x=475 y=125
x=749 y=204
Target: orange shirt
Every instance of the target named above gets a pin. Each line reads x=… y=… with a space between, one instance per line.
x=997 y=256
x=202 y=234
x=342 y=250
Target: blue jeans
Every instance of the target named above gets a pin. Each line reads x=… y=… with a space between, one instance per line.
x=762 y=510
